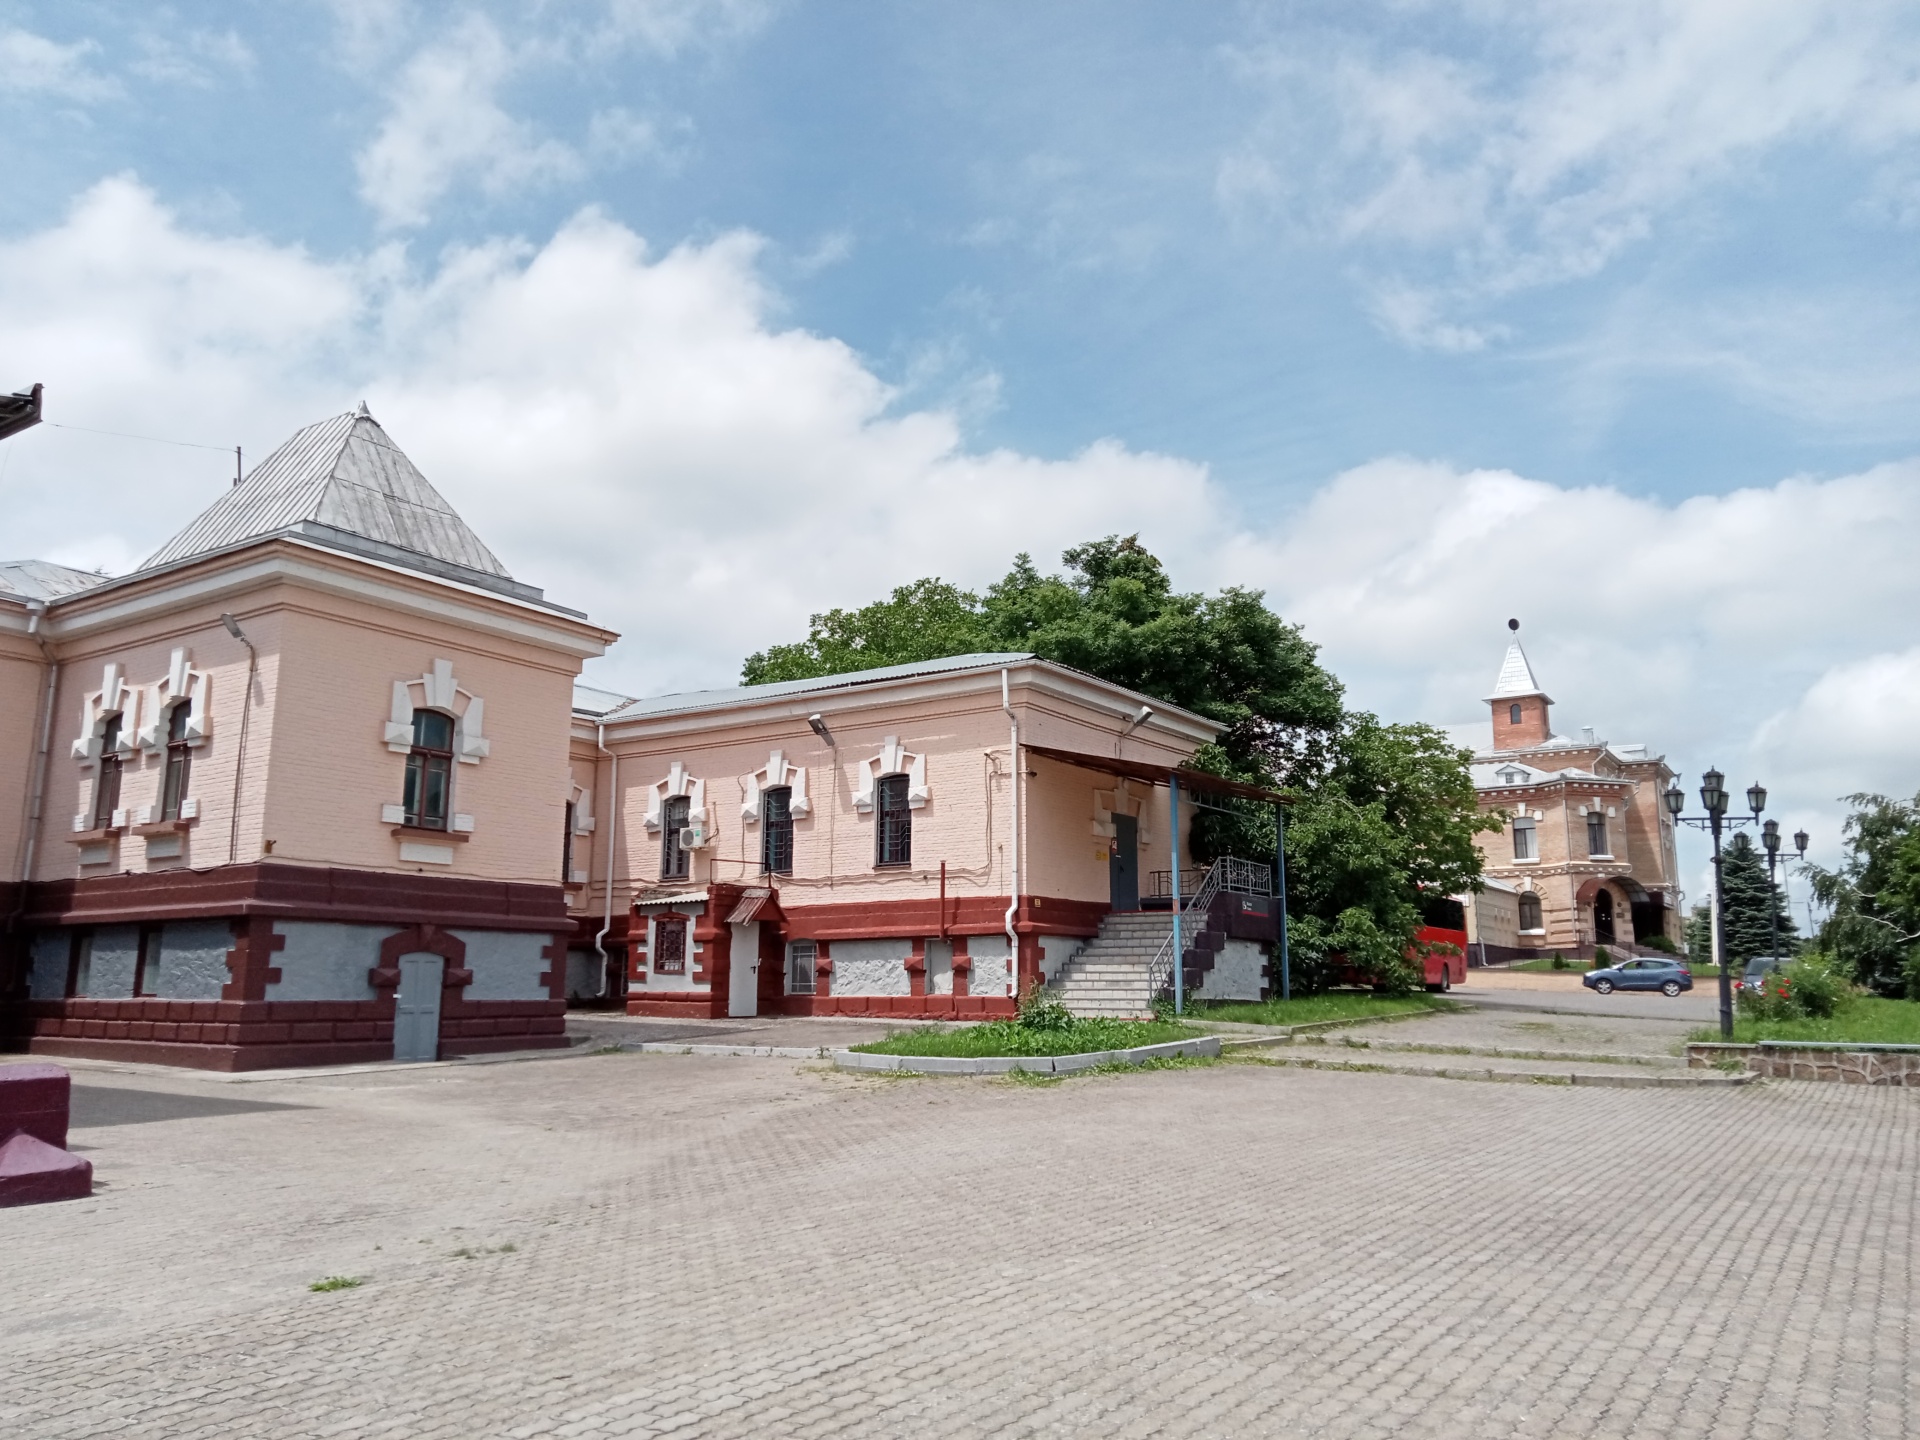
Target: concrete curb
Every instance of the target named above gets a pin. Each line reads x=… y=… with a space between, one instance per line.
x=1685 y=1080
x=1204 y=1046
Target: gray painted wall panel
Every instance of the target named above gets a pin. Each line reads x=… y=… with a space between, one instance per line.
x=193 y=960
x=871 y=967
x=51 y=949
x=506 y=964
x=327 y=961
x=116 y=954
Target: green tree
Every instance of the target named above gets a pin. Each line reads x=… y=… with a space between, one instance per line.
x=1700 y=934
x=1749 y=905
x=1386 y=813
x=1873 y=899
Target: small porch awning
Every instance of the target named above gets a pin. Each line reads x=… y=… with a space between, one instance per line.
x=752 y=901
x=1150 y=774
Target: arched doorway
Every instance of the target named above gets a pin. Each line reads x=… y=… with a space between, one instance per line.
x=1603 y=917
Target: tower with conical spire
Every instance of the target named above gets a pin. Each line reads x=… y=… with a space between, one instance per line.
x=1520 y=706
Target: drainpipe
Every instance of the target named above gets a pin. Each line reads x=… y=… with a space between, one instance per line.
x=1173 y=824
x=613 y=828
x=246 y=712
x=37 y=789
x=1013 y=901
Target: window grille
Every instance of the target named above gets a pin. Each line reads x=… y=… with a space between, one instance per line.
x=776 y=840
x=106 y=788
x=670 y=945
x=1597 y=833
x=1530 y=916
x=894 y=834
x=1525 y=846
x=801 y=955
x=429 y=790
x=173 y=789
x=674 y=860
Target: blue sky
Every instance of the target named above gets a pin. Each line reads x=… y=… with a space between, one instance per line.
x=1415 y=314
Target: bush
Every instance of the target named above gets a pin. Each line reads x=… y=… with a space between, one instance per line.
x=1807 y=989
x=1042 y=1010
x=1602 y=957
x=1660 y=943
x=1559 y=962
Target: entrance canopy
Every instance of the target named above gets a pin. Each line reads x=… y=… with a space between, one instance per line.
x=1190 y=779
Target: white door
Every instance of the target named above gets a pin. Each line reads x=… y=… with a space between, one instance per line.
x=743 y=973
x=416 y=1009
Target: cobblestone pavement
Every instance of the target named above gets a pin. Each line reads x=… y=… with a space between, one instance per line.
x=1699 y=1006
x=604 y=1028
x=637 y=1245
x=1527 y=1030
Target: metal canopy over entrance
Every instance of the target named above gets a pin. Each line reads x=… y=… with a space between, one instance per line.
x=1190 y=779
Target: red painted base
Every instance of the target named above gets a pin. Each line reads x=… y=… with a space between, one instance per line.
x=34 y=1100
x=33 y=1172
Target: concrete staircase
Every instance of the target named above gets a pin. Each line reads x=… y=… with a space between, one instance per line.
x=1109 y=976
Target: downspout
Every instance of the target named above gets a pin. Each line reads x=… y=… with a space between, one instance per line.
x=613 y=829
x=37 y=789
x=246 y=713
x=1013 y=853
x=1173 y=824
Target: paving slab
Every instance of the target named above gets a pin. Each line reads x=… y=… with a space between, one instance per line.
x=1485 y=1028
x=644 y=1244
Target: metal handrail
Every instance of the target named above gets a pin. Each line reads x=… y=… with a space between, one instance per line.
x=1160 y=969
x=1241 y=877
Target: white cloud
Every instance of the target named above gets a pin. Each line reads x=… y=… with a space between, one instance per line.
x=34 y=65
x=634 y=432
x=1511 y=143
x=447 y=125
x=200 y=58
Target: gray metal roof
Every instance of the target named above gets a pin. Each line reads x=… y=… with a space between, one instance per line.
x=591 y=702
x=44 y=580
x=1516 y=677
x=346 y=475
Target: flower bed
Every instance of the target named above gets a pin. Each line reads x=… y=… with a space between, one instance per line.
x=1013 y=1038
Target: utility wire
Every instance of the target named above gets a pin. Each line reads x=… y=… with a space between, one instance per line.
x=125 y=435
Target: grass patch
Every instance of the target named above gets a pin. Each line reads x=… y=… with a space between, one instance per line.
x=1333 y=1005
x=1011 y=1037
x=336 y=1282
x=1864 y=1019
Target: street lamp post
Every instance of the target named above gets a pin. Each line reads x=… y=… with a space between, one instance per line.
x=1770 y=838
x=1713 y=799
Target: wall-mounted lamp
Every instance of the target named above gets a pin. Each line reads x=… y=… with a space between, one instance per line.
x=819 y=727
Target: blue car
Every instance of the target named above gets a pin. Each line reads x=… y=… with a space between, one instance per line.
x=1669 y=977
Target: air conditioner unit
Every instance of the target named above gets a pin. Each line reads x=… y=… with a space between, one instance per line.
x=693 y=837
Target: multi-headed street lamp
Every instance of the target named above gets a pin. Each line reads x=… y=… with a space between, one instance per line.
x=1770 y=837
x=1713 y=799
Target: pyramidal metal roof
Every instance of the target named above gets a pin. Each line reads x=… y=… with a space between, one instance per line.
x=340 y=477
x=44 y=580
x=1516 y=677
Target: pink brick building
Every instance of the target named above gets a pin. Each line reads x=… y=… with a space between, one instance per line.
x=316 y=783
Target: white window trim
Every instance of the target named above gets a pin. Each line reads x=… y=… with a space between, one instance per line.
x=116 y=696
x=679 y=783
x=439 y=690
x=892 y=760
x=777 y=772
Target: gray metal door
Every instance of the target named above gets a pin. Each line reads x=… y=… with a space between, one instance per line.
x=416 y=1009
x=1123 y=864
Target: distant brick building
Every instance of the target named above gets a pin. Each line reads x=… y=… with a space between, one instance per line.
x=1586 y=856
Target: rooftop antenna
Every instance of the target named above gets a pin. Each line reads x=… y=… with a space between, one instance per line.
x=236 y=466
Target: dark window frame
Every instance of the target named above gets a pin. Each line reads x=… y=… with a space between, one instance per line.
x=1531 y=829
x=1513 y=714
x=669 y=959
x=802 y=958
x=146 y=965
x=776 y=830
x=1538 y=916
x=428 y=761
x=179 y=771
x=79 y=964
x=106 y=780
x=676 y=861
x=1597 y=829
x=893 y=823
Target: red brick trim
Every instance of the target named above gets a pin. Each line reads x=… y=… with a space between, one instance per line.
x=554 y=952
x=962 y=967
x=822 y=969
x=904 y=1007
x=423 y=940
x=249 y=969
x=967 y=915
x=916 y=963
x=305 y=892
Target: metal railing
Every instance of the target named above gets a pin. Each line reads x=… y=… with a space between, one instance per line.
x=1237 y=877
x=1160 y=971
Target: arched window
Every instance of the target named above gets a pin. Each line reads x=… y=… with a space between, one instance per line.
x=1513 y=714
x=1530 y=916
x=675 y=861
x=106 y=784
x=173 y=790
x=429 y=794
x=1597 y=833
x=893 y=836
x=776 y=830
